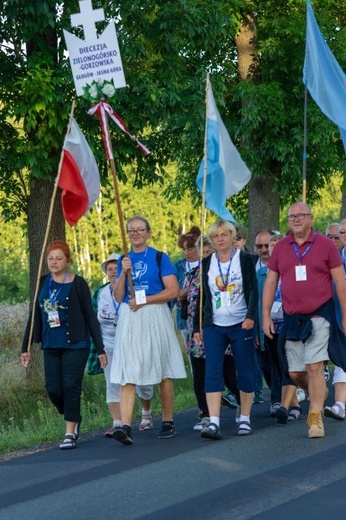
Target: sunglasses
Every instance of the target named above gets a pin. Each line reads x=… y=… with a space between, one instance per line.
x=336 y=237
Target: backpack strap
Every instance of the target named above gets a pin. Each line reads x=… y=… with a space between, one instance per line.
x=158 y=261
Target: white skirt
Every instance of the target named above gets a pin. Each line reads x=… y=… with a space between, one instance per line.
x=146 y=348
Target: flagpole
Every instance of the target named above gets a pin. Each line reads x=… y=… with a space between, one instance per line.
x=305 y=143
x=49 y=224
x=203 y=207
x=118 y=203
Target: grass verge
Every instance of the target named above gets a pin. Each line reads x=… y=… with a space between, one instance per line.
x=27 y=418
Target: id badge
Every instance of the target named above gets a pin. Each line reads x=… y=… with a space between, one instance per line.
x=53 y=319
x=226 y=299
x=301 y=275
x=140 y=296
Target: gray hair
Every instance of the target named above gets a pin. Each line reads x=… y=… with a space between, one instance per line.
x=205 y=240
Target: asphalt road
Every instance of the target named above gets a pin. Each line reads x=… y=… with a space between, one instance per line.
x=275 y=473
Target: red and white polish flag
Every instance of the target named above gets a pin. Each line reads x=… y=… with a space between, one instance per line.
x=79 y=176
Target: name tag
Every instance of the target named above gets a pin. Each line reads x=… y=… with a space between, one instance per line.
x=301 y=275
x=225 y=299
x=140 y=297
x=53 y=319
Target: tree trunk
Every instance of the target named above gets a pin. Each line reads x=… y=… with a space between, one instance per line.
x=40 y=198
x=264 y=203
x=264 y=207
x=38 y=209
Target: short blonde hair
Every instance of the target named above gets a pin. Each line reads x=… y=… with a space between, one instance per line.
x=222 y=224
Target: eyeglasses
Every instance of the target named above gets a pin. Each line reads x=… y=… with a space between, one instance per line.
x=336 y=237
x=138 y=231
x=239 y=238
x=262 y=246
x=297 y=216
x=342 y=231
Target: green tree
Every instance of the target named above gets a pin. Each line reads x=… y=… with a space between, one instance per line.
x=254 y=51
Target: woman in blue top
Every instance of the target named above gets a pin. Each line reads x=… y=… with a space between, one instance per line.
x=146 y=347
x=64 y=321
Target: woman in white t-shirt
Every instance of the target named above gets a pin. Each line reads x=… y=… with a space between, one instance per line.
x=230 y=297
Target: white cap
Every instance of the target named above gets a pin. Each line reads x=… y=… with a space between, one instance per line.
x=114 y=257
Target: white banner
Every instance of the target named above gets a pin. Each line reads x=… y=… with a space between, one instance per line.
x=94 y=59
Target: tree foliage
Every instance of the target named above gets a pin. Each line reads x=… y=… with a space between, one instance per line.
x=167 y=47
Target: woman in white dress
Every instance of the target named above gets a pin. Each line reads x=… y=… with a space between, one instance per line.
x=147 y=350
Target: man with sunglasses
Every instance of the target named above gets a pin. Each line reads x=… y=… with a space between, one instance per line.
x=307 y=262
x=266 y=365
x=262 y=248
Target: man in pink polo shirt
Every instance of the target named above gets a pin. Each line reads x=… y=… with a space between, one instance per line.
x=307 y=263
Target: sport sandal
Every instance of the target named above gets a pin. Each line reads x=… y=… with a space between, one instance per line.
x=69 y=443
x=211 y=432
x=244 y=428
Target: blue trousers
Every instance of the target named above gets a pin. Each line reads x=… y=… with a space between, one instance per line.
x=216 y=340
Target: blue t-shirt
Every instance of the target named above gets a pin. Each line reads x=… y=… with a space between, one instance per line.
x=145 y=271
x=54 y=297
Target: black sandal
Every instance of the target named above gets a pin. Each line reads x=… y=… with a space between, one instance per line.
x=69 y=443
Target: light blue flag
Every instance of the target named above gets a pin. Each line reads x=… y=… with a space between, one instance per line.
x=226 y=171
x=323 y=76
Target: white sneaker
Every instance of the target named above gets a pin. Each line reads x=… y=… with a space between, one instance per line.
x=301 y=395
x=335 y=412
x=146 y=423
x=203 y=423
x=272 y=409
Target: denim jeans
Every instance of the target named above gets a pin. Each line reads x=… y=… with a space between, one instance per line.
x=216 y=340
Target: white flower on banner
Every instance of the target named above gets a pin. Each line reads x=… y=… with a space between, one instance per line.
x=99 y=90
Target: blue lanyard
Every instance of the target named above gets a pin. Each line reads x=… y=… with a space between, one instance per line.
x=188 y=267
x=300 y=258
x=225 y=280
x=53 y=295
x=116 y=307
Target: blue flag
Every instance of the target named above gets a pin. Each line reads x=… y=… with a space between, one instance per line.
x=226 y=171
x=323 y=76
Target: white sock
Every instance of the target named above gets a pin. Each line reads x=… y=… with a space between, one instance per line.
x=215 y=420
x=244 y=418
x=146 y=413
x=116 y=423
